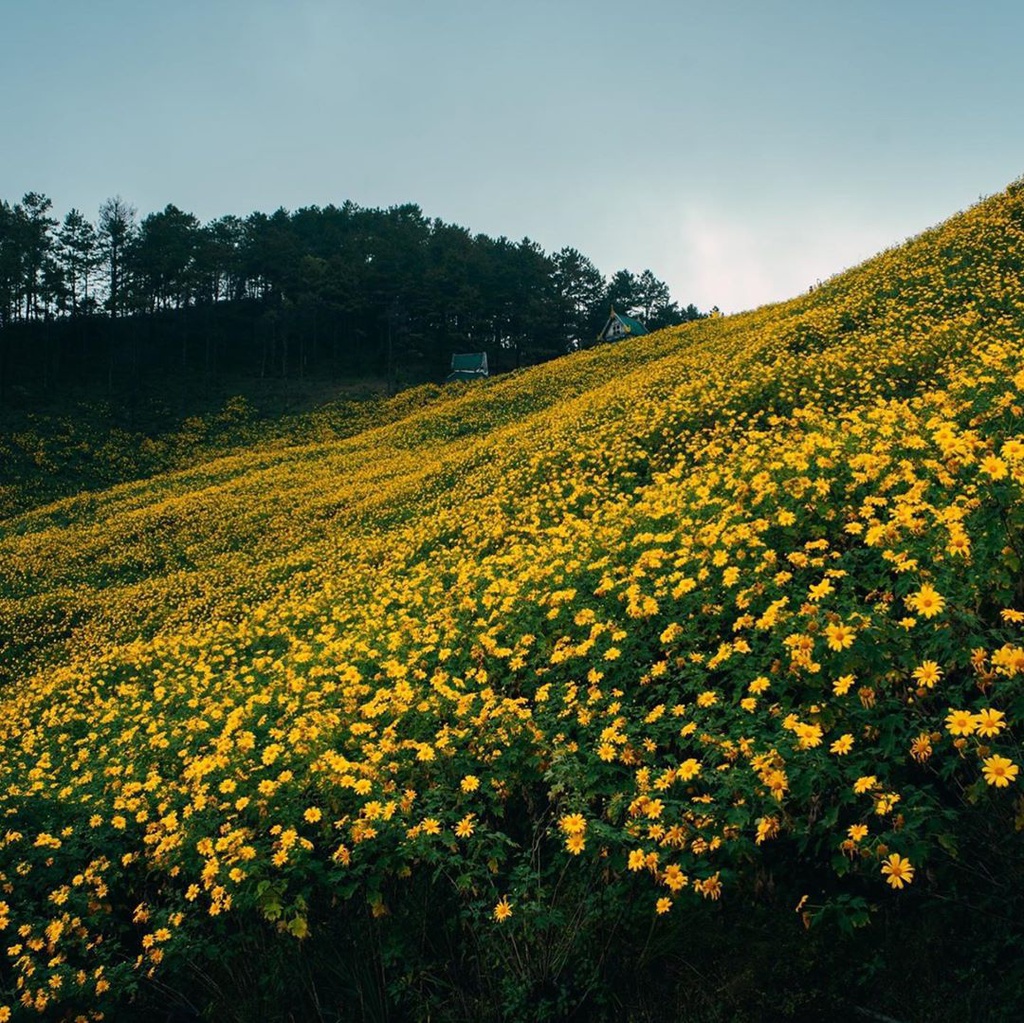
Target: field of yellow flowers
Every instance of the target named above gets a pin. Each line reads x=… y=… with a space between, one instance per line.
x=537 y=670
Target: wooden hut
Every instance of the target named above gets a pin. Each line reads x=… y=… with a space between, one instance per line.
x=619 y=326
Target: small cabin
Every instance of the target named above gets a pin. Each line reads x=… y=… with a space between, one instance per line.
x=472 y=366
x=620 y=326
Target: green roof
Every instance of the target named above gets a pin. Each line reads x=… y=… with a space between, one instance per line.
x=473 y=361
x=631 y=327
x=634 y=326
x=468 y=366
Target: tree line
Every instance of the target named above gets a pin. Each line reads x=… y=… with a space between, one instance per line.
x=332 y=292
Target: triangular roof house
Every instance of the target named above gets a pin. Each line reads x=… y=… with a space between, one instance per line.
x=471 y=366
x=620 y=326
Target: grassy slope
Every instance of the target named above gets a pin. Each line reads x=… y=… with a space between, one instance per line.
x=534 y=582
x=96 y=442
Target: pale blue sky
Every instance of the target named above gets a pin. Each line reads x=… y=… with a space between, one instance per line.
x=741 y=149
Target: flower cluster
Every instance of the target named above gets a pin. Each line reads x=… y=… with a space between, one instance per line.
x=678 y=601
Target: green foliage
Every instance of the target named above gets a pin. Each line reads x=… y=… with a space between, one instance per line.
x=676 y=679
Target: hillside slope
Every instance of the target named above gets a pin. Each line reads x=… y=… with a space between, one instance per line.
x=570 y=653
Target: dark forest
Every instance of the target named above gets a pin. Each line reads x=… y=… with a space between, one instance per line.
x=332 y=293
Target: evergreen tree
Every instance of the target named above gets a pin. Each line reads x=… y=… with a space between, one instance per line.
x=78 y=248
x=163 y=255
x=622 y=293
x=12 y=256
x=218 y=260
x=651 y=296
x=579 y=296
x=39 y=279
x=116 y=230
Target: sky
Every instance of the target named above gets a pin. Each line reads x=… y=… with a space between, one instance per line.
x=740 y=149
